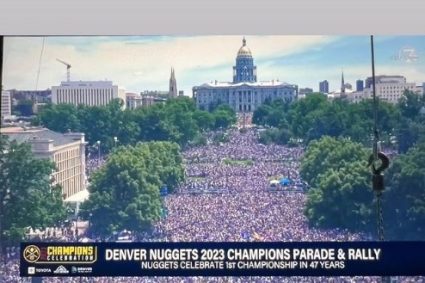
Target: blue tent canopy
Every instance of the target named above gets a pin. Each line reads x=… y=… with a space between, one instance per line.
x=284 y=181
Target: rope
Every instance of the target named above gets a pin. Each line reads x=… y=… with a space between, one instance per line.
x=39 y=64
x=375 y=149
x=375 y=106
x=2 y=60
x=379 y=213
x=377 y=178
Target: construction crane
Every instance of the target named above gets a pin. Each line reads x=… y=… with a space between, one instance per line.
x=68 y=69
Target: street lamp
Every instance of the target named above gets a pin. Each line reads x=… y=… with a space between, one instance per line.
x=98 y=153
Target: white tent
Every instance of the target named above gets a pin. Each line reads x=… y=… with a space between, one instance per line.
x=78 y=197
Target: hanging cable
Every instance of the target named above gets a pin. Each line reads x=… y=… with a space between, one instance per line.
x=1 y=63
x=39 y=64
x=377 y=172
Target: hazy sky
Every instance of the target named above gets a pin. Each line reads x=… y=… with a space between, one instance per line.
x=140 y=63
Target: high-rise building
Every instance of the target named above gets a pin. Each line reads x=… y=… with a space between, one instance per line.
x=66 y=150
x=359 y=85
x=6 y=104
x=244 y=93
x=173 y=84
x=91 y=93
x=388 y=88
x=181 y=92
x=324 y=86
x=383 y=78
x=423 y=88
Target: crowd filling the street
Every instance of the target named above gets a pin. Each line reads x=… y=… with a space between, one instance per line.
x=226 y=197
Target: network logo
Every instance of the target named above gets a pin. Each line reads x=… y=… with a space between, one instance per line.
x=32 y=253
x=31 y=270
x=406 y=54
x=61 y=270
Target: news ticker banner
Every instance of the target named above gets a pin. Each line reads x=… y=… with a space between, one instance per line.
x=224 y=259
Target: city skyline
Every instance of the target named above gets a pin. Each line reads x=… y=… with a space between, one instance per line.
x=140 y=63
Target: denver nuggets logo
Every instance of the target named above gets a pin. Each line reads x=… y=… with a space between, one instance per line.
x=31 y=253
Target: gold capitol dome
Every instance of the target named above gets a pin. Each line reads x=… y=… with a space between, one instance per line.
x=244 y=51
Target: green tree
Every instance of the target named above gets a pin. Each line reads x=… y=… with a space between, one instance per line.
x=185 y=125
x=222 y=120
x=341 y=194
x=27 y=195
x=154 y=126
x=60 y=118
x=203 y=119
x=224 y=117
x=177 y=120
x=342 y=199
x=166 y=161
x=261 y=113
x=302 y=113
x=410 y=104
x=124 y=194
x=278 y=136
x=128 y=131
x=329 y=153
x=315 y=116
x=404 y=200
x=411 y=127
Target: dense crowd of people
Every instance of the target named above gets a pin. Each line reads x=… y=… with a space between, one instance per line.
x=226 y=198
x=94 y=162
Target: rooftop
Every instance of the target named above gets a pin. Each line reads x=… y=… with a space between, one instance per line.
x=21 y=134
x=86 y=83
x=255 y=84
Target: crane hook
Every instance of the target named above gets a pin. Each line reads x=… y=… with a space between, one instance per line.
x=385 y=163
x=378 y=178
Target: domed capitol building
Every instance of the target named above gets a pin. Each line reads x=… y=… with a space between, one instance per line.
x=244 y=94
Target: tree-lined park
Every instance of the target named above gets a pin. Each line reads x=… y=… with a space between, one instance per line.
x=125 y=191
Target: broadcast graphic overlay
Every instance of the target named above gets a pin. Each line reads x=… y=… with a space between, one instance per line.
x=142 y=156
x=58 y=259
x=225 y=259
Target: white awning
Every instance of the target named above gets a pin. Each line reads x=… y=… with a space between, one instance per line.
x=78 y=197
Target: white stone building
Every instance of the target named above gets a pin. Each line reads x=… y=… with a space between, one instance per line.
x=389 y=88
x=66 y=150
x=244 y=93
x=91 y=93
